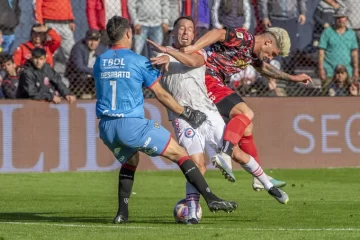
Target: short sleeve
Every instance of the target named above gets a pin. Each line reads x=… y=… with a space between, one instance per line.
x=324 y=39
x=354 y=42
x=150 y=74
x=236 y=37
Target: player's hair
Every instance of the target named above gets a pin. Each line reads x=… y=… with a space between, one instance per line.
x=184 y=17
x=116 y=28
x=282 y=39
x=38 y=52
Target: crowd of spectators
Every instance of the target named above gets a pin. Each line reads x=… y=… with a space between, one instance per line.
x=51 y=65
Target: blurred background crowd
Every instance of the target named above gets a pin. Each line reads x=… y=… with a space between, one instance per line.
x=48 y=47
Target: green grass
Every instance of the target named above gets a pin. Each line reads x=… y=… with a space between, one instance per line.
x=324 y=204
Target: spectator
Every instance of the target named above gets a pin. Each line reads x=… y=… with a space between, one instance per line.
x=175 y=8
x=100 y=11
x=284 y=14
x=338 y=45
x=201 y=14
x=9 y=19
x=57 y=14
x=231 y=13
x=323 y=17
x=150 y=19
x=11 y=80
x=39 y=81
x=80 y=66
x=341 y=84
x=1 y=41
x=39 y=34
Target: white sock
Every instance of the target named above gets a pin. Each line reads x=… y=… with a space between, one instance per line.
x=255 y=169
x=192 y=200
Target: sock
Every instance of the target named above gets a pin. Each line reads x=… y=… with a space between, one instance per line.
x=247 y=144
x=255 y=169
x=192 y=200
x=126 y=181
x=234 y=130
x=194 y=177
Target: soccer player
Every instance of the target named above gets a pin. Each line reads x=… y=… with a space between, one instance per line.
x=185 y=80
x=119 y=75
x=232 y=50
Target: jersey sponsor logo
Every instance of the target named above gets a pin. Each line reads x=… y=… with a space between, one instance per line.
x=117 y=151
x=189 y=133
x=147 y=142
x=113 y=62
x=119 y=115
x=115 y=74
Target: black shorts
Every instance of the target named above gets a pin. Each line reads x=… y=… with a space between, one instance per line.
x=226 y=104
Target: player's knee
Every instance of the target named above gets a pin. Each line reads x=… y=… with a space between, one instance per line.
x=134 y=160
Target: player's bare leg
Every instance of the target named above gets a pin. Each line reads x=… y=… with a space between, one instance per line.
x=177 y=154
x=249 y=164
x=239 y=132
x=126 y=181
x=192 y=194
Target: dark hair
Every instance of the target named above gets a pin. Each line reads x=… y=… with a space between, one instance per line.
x=116 y=28
x=184 y=18
x=6 y=58
x=38 y=52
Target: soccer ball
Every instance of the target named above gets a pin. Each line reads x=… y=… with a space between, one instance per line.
x=181 y=211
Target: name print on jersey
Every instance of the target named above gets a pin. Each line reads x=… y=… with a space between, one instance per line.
x=115 y=74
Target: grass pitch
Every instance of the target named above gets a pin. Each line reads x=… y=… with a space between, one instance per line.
x=324 y=204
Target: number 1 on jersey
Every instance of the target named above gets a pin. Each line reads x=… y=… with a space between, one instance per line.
x=113 y=95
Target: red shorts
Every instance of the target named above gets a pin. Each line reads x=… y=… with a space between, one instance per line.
x=216 y=89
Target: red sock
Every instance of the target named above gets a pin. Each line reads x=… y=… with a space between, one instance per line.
x=247 y=144
x=234 y=130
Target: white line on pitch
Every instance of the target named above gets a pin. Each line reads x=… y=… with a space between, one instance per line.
x=193 y=228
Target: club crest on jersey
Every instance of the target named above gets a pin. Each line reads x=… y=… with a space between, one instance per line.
x=189 y=133
x=241 y=63
x=156 y=124
x=239 y=35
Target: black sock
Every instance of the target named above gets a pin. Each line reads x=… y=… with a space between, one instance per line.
x=194 y=176
x=227 y=148
x=126 y=180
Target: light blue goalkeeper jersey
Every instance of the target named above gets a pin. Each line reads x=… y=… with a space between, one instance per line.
x=119 y=76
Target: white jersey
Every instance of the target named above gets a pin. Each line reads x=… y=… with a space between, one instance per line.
x=187 y=85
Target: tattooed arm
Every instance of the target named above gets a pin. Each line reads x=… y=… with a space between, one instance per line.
x=270 y=71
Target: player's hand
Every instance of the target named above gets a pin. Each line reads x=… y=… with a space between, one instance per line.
x=162 y=61
x=303 y=78
x=137 y=29
x=189 y=49
x=70 y=98
x=56 y=99
x=302 y=19
x=266 y=23
x=165 y=27
x=157 y=47
x=72 y=26
x=194 y=117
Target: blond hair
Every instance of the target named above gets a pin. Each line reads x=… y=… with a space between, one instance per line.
x=282 y=39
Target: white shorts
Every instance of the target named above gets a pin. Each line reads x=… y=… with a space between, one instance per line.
x=194 y=140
